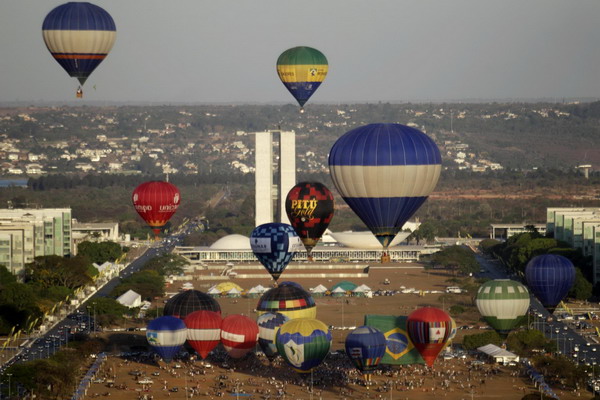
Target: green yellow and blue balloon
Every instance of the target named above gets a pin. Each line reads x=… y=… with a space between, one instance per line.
x=302 y=70
x=303 y=343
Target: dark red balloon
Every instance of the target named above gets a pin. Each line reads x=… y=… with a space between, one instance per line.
x=309 y=206
x=429 y=329
x=204 y=331
x=156 y=202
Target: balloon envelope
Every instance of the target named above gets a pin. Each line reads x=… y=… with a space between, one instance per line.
x=275 y=244
x=303 y=343
x=204 y=331
x=79 y=36
x=385 y=172
x=302 y=70
x=429 y=329
x=239 y=335
x=290 y=300
x=550 y=277
x=365 y=346
x=268 y=325
x=502 y=303
x=156 y=202
x=166 y=335
x=188 y=301
x=309 y=207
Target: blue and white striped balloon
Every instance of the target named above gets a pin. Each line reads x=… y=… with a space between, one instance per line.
x=385 y=172
x=268 y=325
x=275 y=244
x=166 y=335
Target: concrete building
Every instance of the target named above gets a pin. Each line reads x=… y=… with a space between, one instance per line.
x=504 y=231
x=29 y=233
x=275 y=175
x=94 y=232
x=580 y=227
x=564 y=219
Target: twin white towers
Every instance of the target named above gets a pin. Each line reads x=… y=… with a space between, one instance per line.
x=275 y=176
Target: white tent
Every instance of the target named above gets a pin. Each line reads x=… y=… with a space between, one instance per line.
x=130 y=299
x=213 y=291
x=187 y=286
x=319 y=289
x=363 y=290
x=499 y=354
x=338 y=292
x=234 y=292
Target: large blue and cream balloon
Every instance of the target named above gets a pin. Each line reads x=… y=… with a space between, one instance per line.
x=166 y=335
x=385 y=172
x=275 y=244
x=79 y=36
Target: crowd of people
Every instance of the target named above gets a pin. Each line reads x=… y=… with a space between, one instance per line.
x=336 y=377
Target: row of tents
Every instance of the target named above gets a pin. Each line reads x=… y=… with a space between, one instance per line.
x=340 y=289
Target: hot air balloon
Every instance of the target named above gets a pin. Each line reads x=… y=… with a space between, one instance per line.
x=275 y=244
x=204 y=331
x=453 y=331
x=166 y=335
x=79 y=36
x=292 y=301
x=309 y=206
x=385 y=173
x=239 y=335
x=188 y=301
x=268 y=325
x=550 y=277
x=502 y=303
x=429 y=329
x=156 y=202
x=301 y=70
x=365 y=346
x=303 y=343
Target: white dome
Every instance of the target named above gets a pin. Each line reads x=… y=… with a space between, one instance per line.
x=232 y=242
x=365 y=240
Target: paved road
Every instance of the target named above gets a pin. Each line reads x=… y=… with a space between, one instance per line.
x=82 y=317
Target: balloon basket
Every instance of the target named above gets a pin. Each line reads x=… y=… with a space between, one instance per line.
x=385 y=258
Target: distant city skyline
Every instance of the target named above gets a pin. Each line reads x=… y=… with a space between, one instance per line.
x=195 y=51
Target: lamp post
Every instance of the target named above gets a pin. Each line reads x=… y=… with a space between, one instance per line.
x=89 y=322
x=94 y=303
x=9 y=392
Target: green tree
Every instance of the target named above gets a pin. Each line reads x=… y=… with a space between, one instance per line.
x=525 y=342
x=472 y=342
x=46 y=271
x=582 y=288
x=100 y=252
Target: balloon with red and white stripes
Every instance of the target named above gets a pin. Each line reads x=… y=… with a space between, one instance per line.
x=239 y=335
x=204 y=331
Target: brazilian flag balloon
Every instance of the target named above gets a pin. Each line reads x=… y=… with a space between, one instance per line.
x=301 y=70
x=502 y=303
x=303 y=343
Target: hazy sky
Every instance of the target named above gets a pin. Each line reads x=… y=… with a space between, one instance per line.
x=378 y=50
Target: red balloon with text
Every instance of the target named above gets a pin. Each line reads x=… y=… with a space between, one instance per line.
x=156 y=202
x=429 y=329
